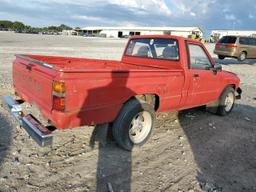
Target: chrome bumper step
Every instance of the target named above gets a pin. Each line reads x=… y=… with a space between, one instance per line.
x=34 y=128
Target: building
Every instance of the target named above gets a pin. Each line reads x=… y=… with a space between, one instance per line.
x=119 y=32
x=69 y=32
x=220 y=33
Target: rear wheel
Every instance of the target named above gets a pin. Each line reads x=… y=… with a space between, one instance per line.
x=221 y=57
x=134 y=124
x=242 y=56
x=226 y=102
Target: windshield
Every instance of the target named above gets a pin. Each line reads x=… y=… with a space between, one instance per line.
x=228 y=39
x=155 y=48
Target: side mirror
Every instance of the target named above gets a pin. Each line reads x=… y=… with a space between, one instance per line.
x=218 y=67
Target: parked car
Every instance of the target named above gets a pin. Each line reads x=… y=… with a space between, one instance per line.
x=157 y=73
x=236 y=46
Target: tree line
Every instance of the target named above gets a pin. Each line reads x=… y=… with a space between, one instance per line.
x=16 y=25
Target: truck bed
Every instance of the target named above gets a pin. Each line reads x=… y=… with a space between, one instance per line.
x=71 y=64
x=95 y=89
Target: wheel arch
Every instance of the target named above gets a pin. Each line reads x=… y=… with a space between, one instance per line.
x=150 y=98
x=229 y=85
x=236 y=88
x=245 y=51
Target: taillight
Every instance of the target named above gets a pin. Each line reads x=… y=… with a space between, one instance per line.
x=58 y=87
x=231 y=46
x=217 y=45
x=58 y=96
x=58 y=103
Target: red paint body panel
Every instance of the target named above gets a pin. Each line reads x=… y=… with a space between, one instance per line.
x=97 y=89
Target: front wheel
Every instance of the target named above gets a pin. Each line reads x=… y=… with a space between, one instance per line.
x=226 y=102
x=134 y=124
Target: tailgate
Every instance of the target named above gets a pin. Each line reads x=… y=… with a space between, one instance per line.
x=32 y=81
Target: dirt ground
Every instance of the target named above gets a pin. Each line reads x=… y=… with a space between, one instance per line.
x=189 y=151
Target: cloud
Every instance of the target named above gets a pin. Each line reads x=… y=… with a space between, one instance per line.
x=158 y=6
x=230 y=17
x=184 y=7
x=79 y=12
x=251 y=16
x=192 y=14
x=207 y=14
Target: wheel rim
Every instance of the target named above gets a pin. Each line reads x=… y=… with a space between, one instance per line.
x=242 y=57
x=140 y=127
x=229 y=101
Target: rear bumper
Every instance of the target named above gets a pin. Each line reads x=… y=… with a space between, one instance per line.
x=232 y=53
x=34 y=128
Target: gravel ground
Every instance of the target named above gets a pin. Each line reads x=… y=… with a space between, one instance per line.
x=189 y=151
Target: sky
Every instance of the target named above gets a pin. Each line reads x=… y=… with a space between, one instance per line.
x=207 y=14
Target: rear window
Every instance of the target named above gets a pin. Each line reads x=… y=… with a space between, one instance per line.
x=228 y=39
x=155 y=48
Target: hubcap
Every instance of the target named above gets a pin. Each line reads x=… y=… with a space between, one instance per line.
x=243 y=56
x=229 y=101
x=140 y=127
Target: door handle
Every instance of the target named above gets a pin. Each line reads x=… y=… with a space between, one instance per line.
x=195 y=75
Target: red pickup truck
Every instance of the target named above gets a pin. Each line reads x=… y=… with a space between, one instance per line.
x=157 y=73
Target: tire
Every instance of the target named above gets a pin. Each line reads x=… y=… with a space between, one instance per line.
x=134 y=124
x=242 y=56
x=226 y=101
x=221 y=57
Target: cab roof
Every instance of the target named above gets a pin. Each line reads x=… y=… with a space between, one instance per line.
x=162 y=36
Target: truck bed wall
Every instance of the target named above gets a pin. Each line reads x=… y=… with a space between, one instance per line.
x=100 y=96
x=94 y=94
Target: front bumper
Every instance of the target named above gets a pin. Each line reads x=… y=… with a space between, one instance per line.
x=41 y=134
x=239 y=93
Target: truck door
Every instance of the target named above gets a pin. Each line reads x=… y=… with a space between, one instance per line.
x=204 y=82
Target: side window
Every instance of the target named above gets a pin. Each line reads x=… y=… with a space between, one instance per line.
x=198 y=58
x=254 y=41
x=140 y=49
x=244 y=41
x=249 y=41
